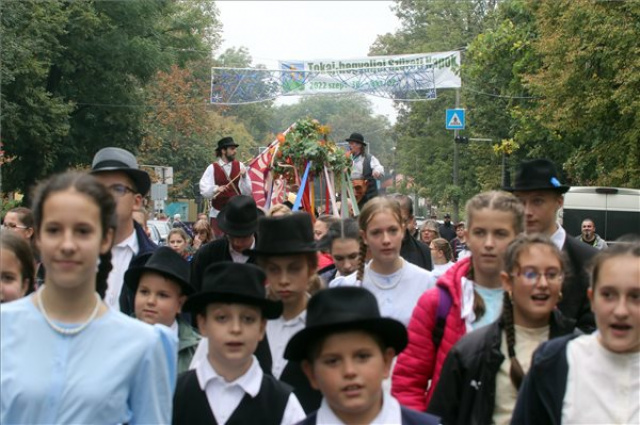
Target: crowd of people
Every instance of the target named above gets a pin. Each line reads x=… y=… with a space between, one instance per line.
x=282 y=317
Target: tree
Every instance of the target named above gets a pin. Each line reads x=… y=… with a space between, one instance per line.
x=74 y=75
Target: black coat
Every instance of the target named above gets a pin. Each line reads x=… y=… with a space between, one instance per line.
x=145 y=246
x=210 y=253
x=575 y=303
x=447 y=231
x=416 y=252
x=457 y=399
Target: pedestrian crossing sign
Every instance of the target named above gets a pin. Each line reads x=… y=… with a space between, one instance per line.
x=455 y=119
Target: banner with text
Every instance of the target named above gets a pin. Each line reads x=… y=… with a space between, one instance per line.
x=403 y=75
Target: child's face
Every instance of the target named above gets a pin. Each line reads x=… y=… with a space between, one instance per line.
x=615 y=301
x=12 y=285
x=533 y=301
x=349 y=371
x=346 y=255
x=320 y=228
x=234 y=331
x=488 y=237
x=158 y=299
x=384 y=236
x=288 y=277
x=177 y=243
x=70 y=239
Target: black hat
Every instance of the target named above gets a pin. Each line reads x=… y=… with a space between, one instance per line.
x=344 y=308
x=239 y=217
x=284 y=235
x=229 y=282
x=226 y=142
x=166 y=262
x=116 y=159
x=356 y=137
x=447 y=215
x=537 y=174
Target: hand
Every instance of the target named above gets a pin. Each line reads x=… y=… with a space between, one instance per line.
x=243 y=171
x=197 y=242
x=376 y=175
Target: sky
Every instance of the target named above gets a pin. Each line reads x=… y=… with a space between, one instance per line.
x=306 y=30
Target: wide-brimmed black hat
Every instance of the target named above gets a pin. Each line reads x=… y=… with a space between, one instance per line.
x=356 y=137
x=229 y=282
x=537 y=174
x=226 y=142
x=166 y=262
x=340 y=309
x=117 y=159
x=284 y=235
x=239 y=217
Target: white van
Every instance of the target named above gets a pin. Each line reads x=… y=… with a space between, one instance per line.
x=615 y=211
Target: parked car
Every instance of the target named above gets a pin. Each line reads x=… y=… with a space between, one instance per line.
x=163 y=228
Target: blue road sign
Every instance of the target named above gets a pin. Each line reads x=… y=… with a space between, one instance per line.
x=455 y=119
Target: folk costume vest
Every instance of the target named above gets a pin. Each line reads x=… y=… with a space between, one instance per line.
x=191 y=406
x=366 y=187
x=221 y=179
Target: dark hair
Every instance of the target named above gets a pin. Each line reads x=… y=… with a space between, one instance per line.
x=315 y=348
x=24 y=214
x=405 y=201
x=88 y=185
x=588 y=219
x=203 y=225
x=21 y=249
x=624 y=245
x=341 y=229
x=514 y=250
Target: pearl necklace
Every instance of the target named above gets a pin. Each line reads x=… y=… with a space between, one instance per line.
x=59 y=329
x=393 y=284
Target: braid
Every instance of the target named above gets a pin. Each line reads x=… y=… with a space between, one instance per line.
x=479 y=306
x=362 y=258
x=103 y=273
x=515 y=372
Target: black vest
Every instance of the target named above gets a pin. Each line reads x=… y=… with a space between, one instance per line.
x=409 y=417
x=308 y=397
x=191 y=407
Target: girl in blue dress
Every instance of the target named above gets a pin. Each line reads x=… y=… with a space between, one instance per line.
x=65 y=357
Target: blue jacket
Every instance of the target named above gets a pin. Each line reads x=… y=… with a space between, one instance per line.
x=542 y=392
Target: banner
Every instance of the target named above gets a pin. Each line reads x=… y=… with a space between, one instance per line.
x=400 y=74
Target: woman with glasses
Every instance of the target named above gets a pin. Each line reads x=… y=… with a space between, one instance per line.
x=20 y=220
x=483 y=372
x=429 y=231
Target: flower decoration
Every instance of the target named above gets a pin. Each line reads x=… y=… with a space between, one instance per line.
x=308 y=141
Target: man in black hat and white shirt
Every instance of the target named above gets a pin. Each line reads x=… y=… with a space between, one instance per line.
x=538 y=187
x=118 y=170
x=238 y=222
x=223 y=179
x=366 y=169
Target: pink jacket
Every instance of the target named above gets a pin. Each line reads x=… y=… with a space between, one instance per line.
x=418 y=363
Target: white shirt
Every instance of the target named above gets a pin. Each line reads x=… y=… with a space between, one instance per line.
x=603 y=387
x=239 y=257
x=224 y=397
x=390 y=414
x=208 y=184
x=397 y=293
x=121 y=255
x=279 y=332
x=559 y=236
x=440 y=269
x=357 y=168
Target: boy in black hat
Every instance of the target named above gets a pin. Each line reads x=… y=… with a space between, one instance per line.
x=286 y=251
x=537 y=186
x=161 y=287
x=118 y=170
x=347 y=350
x=232 y=311
x=223 y=179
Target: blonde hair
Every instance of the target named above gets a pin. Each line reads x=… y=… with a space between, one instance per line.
x=181 y=233
x=279 y=209
x=373 y=207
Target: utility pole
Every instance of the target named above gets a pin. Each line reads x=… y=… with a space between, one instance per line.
x=456 y=202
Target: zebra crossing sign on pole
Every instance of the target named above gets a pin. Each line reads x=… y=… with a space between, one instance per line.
x=455 y=119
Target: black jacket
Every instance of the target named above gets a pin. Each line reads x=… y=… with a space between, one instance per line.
x=465 y=394
x=542 y=392
x=145 y=246
x=416 y=252
x=575 y=304
x=210 y=253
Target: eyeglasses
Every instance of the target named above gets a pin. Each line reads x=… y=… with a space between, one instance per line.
x=532 y=276
x=119 y=190
x=13 y=226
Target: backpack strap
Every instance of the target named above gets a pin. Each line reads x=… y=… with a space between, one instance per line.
x=444 y=305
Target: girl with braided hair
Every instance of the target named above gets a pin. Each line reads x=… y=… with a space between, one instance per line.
x=483 y=372
x=396 y=283
x=80 y=361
